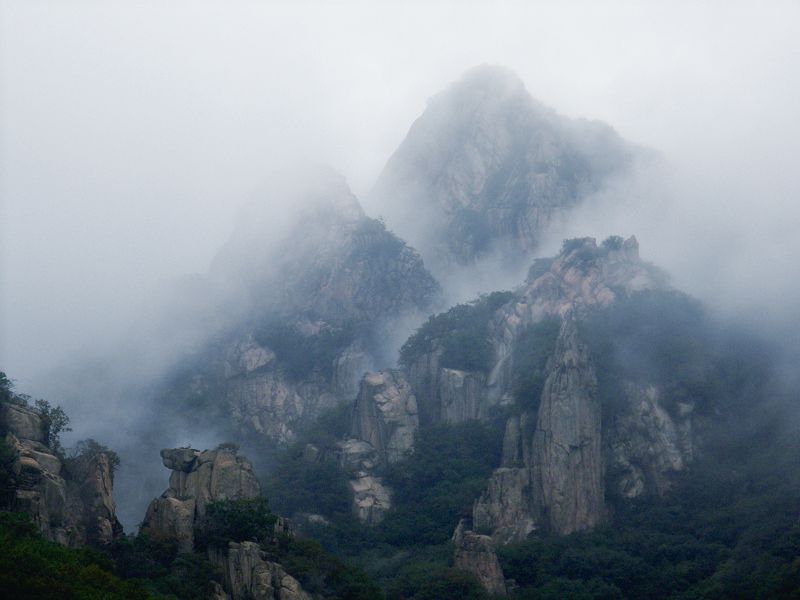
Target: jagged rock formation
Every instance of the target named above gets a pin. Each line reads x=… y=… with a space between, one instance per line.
x=248 y=575
x=555 y=460
x=488 y=167
x=448 y=395
x=560 y=445
x=70 y=499
x=318 y=290
x=567 y=456
x=197 y=479
x=382 y=431
x=385 y=414
x=475 y=553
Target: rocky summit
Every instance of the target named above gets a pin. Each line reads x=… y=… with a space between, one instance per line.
x=486 y=168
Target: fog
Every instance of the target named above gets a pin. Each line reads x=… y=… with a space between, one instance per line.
x=134 y=133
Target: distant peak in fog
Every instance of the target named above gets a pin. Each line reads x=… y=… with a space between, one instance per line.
x=485 y=82
x=487 y=171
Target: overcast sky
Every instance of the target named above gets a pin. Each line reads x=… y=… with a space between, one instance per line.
x=131 y=133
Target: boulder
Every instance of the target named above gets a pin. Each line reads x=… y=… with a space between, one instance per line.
x=197 y=479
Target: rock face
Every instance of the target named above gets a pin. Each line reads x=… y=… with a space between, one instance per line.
x=647 y=445
x=553 y=473
x=248 y=575
x=197 y=479
x=475 y=553
x=555 y=460
x=487 y=167
x=448 y=395
x=71 y=500
x=384 y=423
x=567 y=459
x=562 y=452
x=385 y=414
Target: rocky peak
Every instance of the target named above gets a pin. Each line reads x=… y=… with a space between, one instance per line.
x=486 y=167
x=197 y=479
x=586 y=275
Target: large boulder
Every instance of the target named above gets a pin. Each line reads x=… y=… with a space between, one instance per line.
x=197 y=479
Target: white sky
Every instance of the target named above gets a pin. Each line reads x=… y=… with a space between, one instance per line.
x=131 y=132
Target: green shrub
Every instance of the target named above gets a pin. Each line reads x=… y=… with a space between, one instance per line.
x=89 y=448
x=33 y=568
x=421 y=581
x=322 y=573
x=539 y=267
x=55 y=421
x=437 y=484
x=8 y=478
x=299 y=354
x=462 y=333
x=235 y=521
x=533 y=347
x=613 y=242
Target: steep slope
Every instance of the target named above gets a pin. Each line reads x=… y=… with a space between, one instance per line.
x=322 y=287
x=525 y=352
x=486 y=167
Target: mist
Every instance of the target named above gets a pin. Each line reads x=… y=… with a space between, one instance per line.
x=133 y=136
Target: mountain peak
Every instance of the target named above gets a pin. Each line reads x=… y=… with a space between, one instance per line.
x=487 y=169
x=485 y=82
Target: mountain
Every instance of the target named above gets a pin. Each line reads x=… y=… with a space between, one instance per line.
x=488 y=169
x=321 y=289
x=591 y=433
x=523 y=417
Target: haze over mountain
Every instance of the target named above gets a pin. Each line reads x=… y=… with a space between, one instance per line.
x=467 y=386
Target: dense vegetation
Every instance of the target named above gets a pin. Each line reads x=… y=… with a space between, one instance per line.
x=33 y=568
x=730 y=529
x=298 y=353
x=667 y=339
x=462 y=333
x=318 y=571
x=409 y=552
x=533 y=347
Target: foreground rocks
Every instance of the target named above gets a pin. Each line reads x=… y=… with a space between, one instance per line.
x=69 y=499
